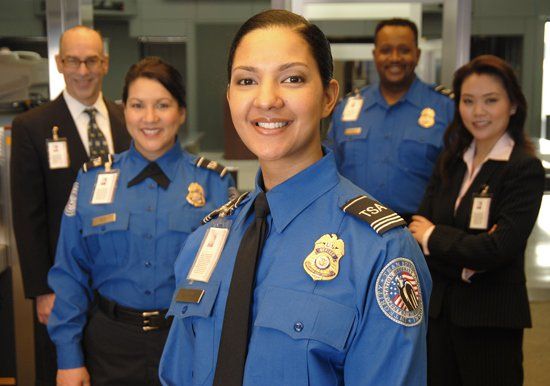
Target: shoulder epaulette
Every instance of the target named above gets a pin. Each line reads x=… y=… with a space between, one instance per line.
x=226 y=209
x=96 y=162
x=444 y=90
x=211 y=165
x=379 y=217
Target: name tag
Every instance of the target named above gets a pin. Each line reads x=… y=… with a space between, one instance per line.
x=189 y=295
x=58 y=153
x=479 y=217
x=105 y=219
x=105 y=187
x=208 y=255
x=353 y=131
x=352 y=109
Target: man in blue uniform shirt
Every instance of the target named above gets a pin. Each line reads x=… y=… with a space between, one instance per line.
x=359 y=319
x=387 y=136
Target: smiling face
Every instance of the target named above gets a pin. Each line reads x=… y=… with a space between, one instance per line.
x=277 y=98
x=78 y=45
x=396 y=56
x=153 y=117
x=485 y=108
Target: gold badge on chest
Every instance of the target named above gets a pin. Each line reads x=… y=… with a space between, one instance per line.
x=196 y=195
x=427 y=118
x=323 y=262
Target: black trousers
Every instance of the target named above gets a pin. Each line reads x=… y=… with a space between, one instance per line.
x=119 y=354
x=463 y=356
x=44 y=354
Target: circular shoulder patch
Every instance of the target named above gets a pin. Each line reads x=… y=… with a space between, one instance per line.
x=70 y=208
x=398 y=292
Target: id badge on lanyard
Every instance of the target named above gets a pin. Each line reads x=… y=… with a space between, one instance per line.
x=105 y=185
x=58 y=151
x=210 y=250
x=481 y=206
x=352 y=109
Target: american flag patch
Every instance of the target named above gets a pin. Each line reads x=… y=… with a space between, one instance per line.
x=398 y=292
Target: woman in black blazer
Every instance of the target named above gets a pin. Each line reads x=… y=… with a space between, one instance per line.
x=478 y=211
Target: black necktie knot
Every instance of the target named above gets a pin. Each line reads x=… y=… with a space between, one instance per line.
x=261 y=206
x=91 y=112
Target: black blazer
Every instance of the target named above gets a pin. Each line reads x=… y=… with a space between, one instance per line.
x=497 y=296
x=40 y=194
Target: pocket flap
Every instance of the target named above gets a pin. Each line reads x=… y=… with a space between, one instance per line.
x=302 y=315
x=103 y=223
x=203 y=308
x=185 y=220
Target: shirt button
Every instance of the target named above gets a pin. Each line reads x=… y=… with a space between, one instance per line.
x=149 y=208
x=147 y=292
x=151 y=186
x=148 y=264
x=298 y=326
x=148 y=236
x=183 y=310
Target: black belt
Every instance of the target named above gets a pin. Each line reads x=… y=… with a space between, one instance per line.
x=147 y=320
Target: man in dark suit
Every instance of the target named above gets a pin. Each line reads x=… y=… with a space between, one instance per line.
x=44 y=165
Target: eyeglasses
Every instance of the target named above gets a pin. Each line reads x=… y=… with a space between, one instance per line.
x=72 y=63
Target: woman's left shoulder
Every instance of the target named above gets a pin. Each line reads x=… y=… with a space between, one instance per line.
x=524 y=161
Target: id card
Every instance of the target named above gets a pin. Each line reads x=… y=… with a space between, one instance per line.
x=352 y=109
x=58 y=153
x=105 y=187
x=479 y=217
x=208 y=255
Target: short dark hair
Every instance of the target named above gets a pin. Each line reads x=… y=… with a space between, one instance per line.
x=397 y=22
x=153 y=67
x=457 y=138
x=313 y=36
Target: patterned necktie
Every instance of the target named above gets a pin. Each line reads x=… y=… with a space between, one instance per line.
x=96 y=140
x=236 y=322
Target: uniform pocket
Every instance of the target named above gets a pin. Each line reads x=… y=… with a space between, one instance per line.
x=418 y=153
x=353 y=150
x=184 y=222
x=197 y=315
x=306 y=316
x=108 y=241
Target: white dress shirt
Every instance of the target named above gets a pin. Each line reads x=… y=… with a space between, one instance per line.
x=81 y=119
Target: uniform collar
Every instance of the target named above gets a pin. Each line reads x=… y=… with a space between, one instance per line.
x=167 y=162
x=413 y=95
x=304 y=188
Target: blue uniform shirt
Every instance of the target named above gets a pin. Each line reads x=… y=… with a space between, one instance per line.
x=387 y=151
x=307 y=332
x=129 y=260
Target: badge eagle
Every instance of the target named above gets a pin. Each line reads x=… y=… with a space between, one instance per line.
x=323 y=262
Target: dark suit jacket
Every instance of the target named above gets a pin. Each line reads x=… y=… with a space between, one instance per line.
x=497 y=296
x=40 y=194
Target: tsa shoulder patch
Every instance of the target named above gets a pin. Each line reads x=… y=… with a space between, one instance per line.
x=398 y=292
x=380 y=217
x=70 y=208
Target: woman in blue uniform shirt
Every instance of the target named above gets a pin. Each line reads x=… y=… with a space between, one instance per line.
x=338 y=293
x=123 y=226
x=478 y=211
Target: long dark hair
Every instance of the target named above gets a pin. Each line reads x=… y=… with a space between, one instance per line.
x=457 y=138
x=314 y=37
